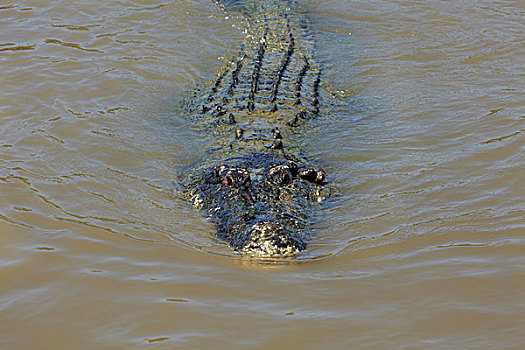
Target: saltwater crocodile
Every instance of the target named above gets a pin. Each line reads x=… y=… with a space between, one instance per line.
x=255 y=184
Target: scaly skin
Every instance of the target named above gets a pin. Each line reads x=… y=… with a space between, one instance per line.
x=255 y=185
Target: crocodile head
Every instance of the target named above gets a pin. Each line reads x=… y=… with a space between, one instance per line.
x=260 y=205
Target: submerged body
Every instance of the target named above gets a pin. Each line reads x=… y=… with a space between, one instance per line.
x=255 y=184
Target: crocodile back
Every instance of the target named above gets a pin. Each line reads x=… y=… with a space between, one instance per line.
x=274 y=81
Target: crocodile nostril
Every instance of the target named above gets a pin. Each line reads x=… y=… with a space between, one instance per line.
x=267 y=226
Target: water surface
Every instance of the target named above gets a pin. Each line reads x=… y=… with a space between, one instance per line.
x=424 y=138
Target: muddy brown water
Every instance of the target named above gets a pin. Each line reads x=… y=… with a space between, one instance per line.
x=423 y=248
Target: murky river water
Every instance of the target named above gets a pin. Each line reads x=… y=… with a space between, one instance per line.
x=423 y=248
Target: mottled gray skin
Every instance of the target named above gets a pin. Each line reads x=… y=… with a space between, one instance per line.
x=255 y=184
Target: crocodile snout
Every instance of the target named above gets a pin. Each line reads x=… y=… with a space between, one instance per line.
x=268 y=238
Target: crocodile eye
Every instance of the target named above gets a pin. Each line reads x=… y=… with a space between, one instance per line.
x=280 y=175
x=311 y=175
x=235 y=177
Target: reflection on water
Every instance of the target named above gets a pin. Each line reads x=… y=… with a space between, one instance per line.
x=424 y=138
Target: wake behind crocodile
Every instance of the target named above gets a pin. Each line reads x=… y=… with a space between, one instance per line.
x=255 y=184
